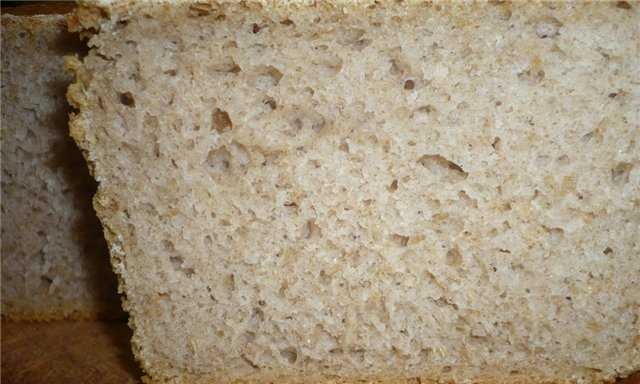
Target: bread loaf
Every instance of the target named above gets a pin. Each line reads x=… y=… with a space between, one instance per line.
x=409 y=191
x=54 y=258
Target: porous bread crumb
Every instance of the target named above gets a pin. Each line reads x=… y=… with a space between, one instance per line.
x=54 y=257
x=399 y=192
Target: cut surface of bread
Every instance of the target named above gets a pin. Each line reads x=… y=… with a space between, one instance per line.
x=54 y=257
x=385 y=191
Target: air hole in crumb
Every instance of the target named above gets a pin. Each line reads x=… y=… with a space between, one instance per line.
x=168 y=246
x=496 y=143
x=126 y=98
x=311 y=230
x=344 y=146
x=467 y=200
x=240 y=153
x=258 y=314
x=426 y=109
x=291 y=204
x=249 y=361
x=189 y=271
x=268 y=77
x=556 y=234
x=221 y=121
x=307 y=120
x=587 y=137
x=393 y=186
x=620 y=173
x=607 y=251
x=176 y=262
x=226 y=65
x=270 y=102
x=542 y=160
x=329 y=65
x=446 y=369
x=353 y=37
x=439 y=164
x=454 y=258
x=400 y=239
x=219 y=159
x=563 y=160
x=230 y=282
x=399 y=65
x=315 y=163
x=255 y=28
x=536 y=194
x=208 y=241
x=548 y=28
x=290 y=354
x=623 y=5
x=409 y=84
x=287 y=22
x=171 y=72
x=283 y=288
x=325 y=279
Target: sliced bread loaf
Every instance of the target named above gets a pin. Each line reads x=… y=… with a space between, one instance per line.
x=386 y=191
x=54 y=258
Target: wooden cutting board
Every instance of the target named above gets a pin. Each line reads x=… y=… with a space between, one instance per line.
x=37 y=7
x=64 y=352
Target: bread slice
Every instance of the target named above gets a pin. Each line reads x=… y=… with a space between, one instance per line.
x=54 y=258
x=307 y=192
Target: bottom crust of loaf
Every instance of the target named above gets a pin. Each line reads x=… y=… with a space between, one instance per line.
x=497 y=378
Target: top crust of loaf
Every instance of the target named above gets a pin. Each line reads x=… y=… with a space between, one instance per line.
x=382 y=191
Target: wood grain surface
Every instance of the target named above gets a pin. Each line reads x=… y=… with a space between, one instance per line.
x=26 y=8
x=67 y=352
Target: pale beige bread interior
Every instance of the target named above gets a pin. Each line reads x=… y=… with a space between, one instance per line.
x=54 y=257
x=395 y=191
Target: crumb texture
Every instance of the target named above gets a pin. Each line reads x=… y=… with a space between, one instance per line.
x=370 y=191
x=54 y=258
